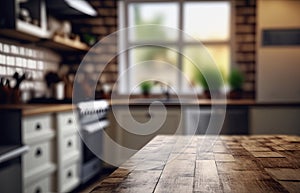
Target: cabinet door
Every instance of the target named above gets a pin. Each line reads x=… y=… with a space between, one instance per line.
x=275 y=120
x=68 y=151
x=235 y=121
x=131 y=135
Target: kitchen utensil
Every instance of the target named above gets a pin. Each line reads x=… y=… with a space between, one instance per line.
x=18 y=79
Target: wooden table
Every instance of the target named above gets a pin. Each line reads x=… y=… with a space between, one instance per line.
x=232 y=164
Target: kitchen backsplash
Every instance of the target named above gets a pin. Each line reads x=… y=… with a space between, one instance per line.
x=29 y=59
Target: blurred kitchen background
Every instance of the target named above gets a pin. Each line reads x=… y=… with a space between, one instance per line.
x=255 y=44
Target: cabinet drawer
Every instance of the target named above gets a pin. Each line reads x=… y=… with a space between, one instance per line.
x=70 y=177
x=36 y=126
x=38 y=155
x=66 y=121
x=44 y=185
x=70 y=145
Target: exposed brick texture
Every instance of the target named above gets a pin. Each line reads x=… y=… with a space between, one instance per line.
x=245 y=25
x=104 y=24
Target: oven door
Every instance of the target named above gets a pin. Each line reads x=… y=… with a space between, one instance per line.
x=93 y=140
x=10 y=170
x=92 y=149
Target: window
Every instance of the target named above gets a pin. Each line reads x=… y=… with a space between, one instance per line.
x=207 y=22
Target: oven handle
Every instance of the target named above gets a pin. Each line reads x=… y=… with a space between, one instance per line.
x=97 y=126
x=14 y=153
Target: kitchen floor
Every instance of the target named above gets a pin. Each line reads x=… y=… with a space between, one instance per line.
x=87 y=188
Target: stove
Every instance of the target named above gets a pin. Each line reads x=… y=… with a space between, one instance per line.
x=93 y=121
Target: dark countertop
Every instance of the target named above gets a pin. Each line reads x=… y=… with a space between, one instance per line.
x=33 y=109
x=201 y=102
x=232 y=164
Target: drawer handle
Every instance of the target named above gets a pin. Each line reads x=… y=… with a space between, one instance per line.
x=38 y=190
x=69 y=175
x=38 y=127
x=38 y=152
x=70 y=121
x=70 y=143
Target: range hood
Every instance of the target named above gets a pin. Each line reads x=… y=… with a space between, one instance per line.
x=70 y=8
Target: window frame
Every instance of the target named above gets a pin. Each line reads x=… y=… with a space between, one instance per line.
x=124 y=63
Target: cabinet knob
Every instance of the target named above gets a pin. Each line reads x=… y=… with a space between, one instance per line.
x=38 y=127
x=70 y=121
x=69 y=175
x=38 y=152
x=38 y=190
x=69 y=143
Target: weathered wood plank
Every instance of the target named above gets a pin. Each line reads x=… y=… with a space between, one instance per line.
x=242 y=163
x=249 y=181
x=284 y=173
x=224 y=157
x=266 y=154
x=139 y=181
x=176 y=184
x=291 y=146
x=206 y=177
x=275 y=162
x=205 y=156
x=177 y=176
x=292 y=187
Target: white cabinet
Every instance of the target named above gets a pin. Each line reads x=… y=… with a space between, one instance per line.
x=54 y=145
x=274 y=120
x=37 y=127
x=68 y=151
x=43 y=185
x=137 y=128
x=38 y=164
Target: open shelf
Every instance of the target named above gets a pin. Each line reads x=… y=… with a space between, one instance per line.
x=34 y=28
x=64 y=44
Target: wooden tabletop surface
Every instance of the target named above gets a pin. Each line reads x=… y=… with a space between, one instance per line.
x=232 y=164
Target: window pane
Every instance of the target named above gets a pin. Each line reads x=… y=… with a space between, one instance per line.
x=153 y=63
x=153 y=13
x=220 y=55
x=207 y=20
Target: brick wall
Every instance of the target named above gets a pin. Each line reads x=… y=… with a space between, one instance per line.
x=104 y=24
x=245 y=25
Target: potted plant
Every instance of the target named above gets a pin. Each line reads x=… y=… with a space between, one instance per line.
x=214 y=83
x=146 y=88
x=235 y=80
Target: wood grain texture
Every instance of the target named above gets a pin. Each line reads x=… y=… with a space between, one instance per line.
x=266 y=154
x=222 y=164
x=206 y=177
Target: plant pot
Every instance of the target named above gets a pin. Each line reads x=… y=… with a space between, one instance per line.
x=208 y=94
x=146 y=94
x=235 y=94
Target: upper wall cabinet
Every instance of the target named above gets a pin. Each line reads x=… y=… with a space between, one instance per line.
x=24 y=19
x=32 y=21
